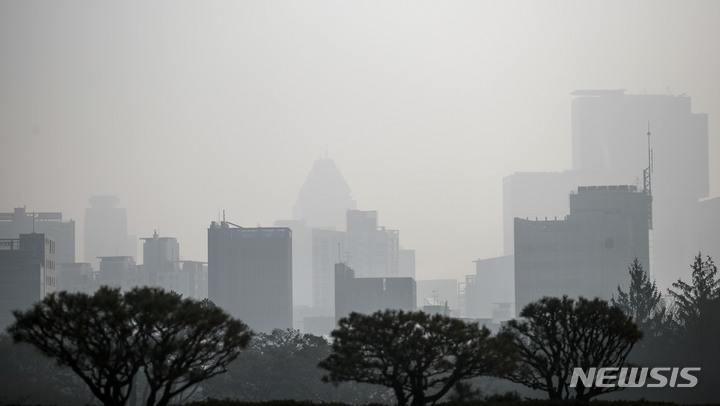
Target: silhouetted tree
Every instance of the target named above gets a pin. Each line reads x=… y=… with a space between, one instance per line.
x=557 y=335
x=185 y=341
x=107 y=338
x=696 y=311
x=411 y=353
x=689 y=299
x=642 y=301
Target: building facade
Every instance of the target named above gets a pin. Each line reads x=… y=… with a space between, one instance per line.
x=21 y=222
x=250 y=274
x=372 y=250
x=106 y=232
x=587 y=253
x=27 y=273
x=368 y=295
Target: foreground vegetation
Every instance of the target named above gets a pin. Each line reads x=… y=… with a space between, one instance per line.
x=148 y=347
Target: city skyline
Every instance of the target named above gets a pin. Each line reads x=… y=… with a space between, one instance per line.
x=187 y=111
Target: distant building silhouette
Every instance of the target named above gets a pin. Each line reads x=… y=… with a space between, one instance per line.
x=194 y=279
x=21 y=222
x=328 y=249
x=76 y=277
x=119 y=272
x=610 y=146
x=250 y=274
x=373 y=251
x=438 y=291
x=106 y=230
x=324 y=197
x=587 y=253
x=609 y=137
x=406 y=263
x=161 y=262
x=302 y=249
x=709 y=227
x=27 y=273
x=368 y=295
x=490 y=292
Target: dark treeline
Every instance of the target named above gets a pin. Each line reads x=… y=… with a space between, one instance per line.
x=387 y=357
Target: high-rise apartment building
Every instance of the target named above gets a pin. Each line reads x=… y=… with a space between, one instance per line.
x=587 y=253
x=22 y=222
x=250 y=274
x=27 y=273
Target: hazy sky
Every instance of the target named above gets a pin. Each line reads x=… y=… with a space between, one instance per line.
x=183 y=109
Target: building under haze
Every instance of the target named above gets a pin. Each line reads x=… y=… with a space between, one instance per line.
x=490 y=293
x=302 y=249
x=27 y=273
x=587 y=253
x=119 y=272
x=21 y=222
x=609 y=138
x=443 y=291
x=610 y=145
x=250 y=274
x=324 y=197
x=161 y=263
x=328 y=249
x=106 y=230
x=372 y=250
x=76 y=277
x=368 y=295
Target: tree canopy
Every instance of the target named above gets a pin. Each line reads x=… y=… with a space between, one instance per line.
x=556 y=335
x=109 y=337
x=642 y=301
x=690 y=298
x=419 y=356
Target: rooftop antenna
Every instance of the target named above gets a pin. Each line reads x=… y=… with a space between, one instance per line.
x=647 y=173
x=647 y=178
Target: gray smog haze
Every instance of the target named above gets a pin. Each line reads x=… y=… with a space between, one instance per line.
x=183 y=109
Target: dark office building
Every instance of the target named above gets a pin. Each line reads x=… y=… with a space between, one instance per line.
x=27 y=273
x=368 y=295
x=588 y=253
x=250 y=274
x=21 y=222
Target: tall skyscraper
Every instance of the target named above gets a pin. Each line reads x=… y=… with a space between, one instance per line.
x=27 y=273
x=250 y=274
x=324 y=197
x=21 y=222
x=587 y=253
x=105 y=230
